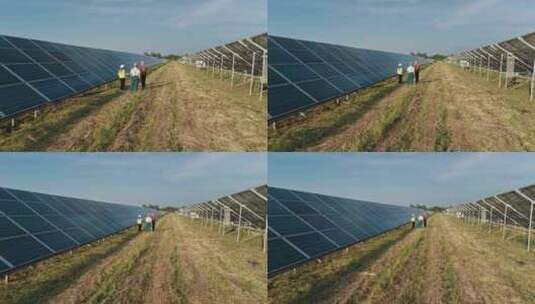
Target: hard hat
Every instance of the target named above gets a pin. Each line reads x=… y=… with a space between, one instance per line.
x=122 y=66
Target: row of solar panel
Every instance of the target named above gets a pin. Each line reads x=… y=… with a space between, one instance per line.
x=253 y=204
x=518 y=205
x=523 y=49
x=34 y=226
x=304 y=226
x=242 y=52
x=304 y=73
x=34 y=72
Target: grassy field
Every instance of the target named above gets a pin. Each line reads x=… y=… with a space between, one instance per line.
x=179 y=111
x=448 y=262
x=451 y=109
x=181 y=262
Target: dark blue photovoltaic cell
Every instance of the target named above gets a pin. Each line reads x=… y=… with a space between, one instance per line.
x=33 y=224
x=319 y=224
x=277 y=95
x=3 y=266
x=60 y=223
x=79 y=67
x=76 y=83
x=312 y=244
x=21 y=250
x=7 y=77
x=8 y=229
x=288 y=225
x=56 y=240
x=29 y=72
x=280 y=254
x=305 y=63
x=52 y=88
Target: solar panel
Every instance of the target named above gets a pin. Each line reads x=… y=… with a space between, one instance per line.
x=34 y=226
x=34 y=72
x=252 y=203
x=303 y=73
x=303 y=226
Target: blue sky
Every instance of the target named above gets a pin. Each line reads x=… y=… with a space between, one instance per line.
x=168 y=26
x=432 y=26
x=134 y=178
x=403 y=178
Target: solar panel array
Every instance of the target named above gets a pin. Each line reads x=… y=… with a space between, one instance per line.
x=34 y=72
x=34 y=226
x=253 y=203
x=304 y=73
x=522 y=48
x=242 y=50
x=303 y=226
x=517 y=202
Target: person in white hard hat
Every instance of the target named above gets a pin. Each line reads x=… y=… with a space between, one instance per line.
x=410 y=74
x=148 y=223
x=413 y=221
x=420 y=220
x=134 y=78
x=122 y=76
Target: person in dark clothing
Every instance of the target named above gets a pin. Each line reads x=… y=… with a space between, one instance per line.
x=139 y=223
x=144 y=70
x=413 y=220
x=425 y=221
x=416 y=72
x=153 y=223
x=122 y=76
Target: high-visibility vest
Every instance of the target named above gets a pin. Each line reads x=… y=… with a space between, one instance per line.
x=400 y=70
x=121 y=74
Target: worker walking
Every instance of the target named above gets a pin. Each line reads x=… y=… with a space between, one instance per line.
x=154 y=223
x=139 y=223
x=400 y=73
x=134 y=78
x=416 y=72
x=410 y=74
x=420 y=220
x=143 y=74
x=425 y=221
x=148 y=223
x=413 y=220
x=122 y=77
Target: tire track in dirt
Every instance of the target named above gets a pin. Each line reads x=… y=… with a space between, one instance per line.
x=477 y=116
x=362 y=284
x=82 y=135
x=83 y=288
x=160 y=88
x=480 y=279
x=211 y=276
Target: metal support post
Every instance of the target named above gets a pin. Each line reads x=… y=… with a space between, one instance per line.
x=488 y=68
x=252 y=74
x=221 y=69
x=239 y=224
x=532 y=82
x=504 y=222
x=530 y=225
x=490 y=221
x=501 y=67
x=232 y=77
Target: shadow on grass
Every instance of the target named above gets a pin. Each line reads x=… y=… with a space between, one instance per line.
x=46 y=128
x=322 y=289
x=43 y=291
x=303 y=138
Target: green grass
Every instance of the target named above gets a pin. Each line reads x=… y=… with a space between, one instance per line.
x=329 y=121
x=46 y=279
x=315 y=281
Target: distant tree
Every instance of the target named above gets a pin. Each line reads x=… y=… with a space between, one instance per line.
x=156 y=207
x=439 y=57
x=153 y=54
x=426 y=208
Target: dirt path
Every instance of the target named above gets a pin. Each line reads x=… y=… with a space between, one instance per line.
x=170 y=266
x=445 y=263
x=449 y=110
x=182 y=109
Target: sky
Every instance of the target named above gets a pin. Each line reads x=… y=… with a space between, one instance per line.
x=432 y=26
x=437 y=179
x=166 y=26
x=167 y=179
